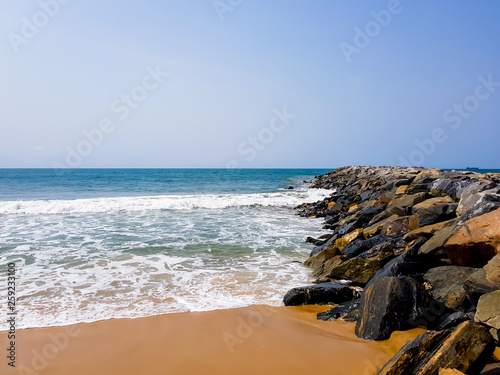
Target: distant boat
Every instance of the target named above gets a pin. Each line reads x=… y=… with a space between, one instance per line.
x=472 y=168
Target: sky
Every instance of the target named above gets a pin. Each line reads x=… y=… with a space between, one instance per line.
x=249 y=83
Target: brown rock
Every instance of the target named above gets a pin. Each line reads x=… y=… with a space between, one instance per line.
x=488 y=310
x=413 y=353
x=437 y=242
x=407 y=201
x=434 y=210
x=401 y=190
x=353 y=207
x=428 y=231
x=378 y=227
x=461 y=350
x=400 y=226
x=449 y=371
x=477 y=242
x=493 y=269
x=319 y=258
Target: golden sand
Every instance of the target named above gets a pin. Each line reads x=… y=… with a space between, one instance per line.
x=251 y=340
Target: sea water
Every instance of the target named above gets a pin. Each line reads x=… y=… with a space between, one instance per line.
x=93 y=244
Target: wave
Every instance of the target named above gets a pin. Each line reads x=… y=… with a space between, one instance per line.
x=159 y=203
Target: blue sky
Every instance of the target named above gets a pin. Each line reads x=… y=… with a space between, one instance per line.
x=240 y=83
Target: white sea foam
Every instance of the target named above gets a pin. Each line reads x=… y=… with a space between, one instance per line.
x=149 y=261
x=165 y=202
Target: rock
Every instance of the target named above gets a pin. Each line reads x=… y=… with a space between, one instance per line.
x=476 y=285
x=443 y=187
x=449 y=371
x=428 y=231
x=319 y=258
x=476 y=242
x=417 y=188
x=414 y=353
x=340 y=311
x=435 y=210
x=478 y=204
x=448 y=285
x=488 y=310
x=348 y=238
x=388 y=305
x=438 y=241
x=400 y=226
x=290 y=188
x=320 y=294
x=360 y=270
x=405 y=264
x=401 y=189
x=453 y=320
x=465 y=349
x=462 y=350
x=334 y=207
x=407 y=201
x=491 y=369
x=357 y=247
x=493 y=270
x=311 y=240
x=376 y=228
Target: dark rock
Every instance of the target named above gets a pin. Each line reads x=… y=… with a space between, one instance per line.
x=453 y=320
x=400 y=226
x=414 y=353
x=388 y=305
x=405 y=264
x=476 y=285
x=339 y=311
x=290 y=188
x=448 y=285
x=478 y=204
x=321 y=294
x=491 y=369
x=357 y=247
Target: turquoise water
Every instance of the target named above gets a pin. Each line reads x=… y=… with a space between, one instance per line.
x=100 y=244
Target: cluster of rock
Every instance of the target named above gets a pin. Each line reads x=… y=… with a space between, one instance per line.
x=407 y=248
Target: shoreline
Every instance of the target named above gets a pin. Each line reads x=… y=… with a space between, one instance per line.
x=249 y=340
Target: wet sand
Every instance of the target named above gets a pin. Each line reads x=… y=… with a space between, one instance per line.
x=251 y=340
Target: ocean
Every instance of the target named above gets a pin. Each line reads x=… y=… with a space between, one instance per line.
x=95 y=244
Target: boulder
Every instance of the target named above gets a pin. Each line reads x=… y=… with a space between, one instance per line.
x=413 y=354
x=428 y=231
x=453 y=320
x=388 y=305
x=357 y=247
x=449 y=371
x=493 y=270
x=476 y=285
x=401 y=189
x=400 y=226
x=466 y=349
x=488 y=310
x=360 y=270
x=321 y=257
x=435 y=210
x=437 y=242
x=477 y=195
x=320 y=294
x=407 y=201
x=340 y=311
x=491 y=369
x=448 y=285
x=476 y=242
x=408 y=263
x=348 y=238
x=479 y=204
x=376 y=228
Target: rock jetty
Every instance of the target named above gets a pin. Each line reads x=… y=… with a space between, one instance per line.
x=407 y=248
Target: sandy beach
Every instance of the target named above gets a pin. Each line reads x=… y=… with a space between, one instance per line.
x=251 y=340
